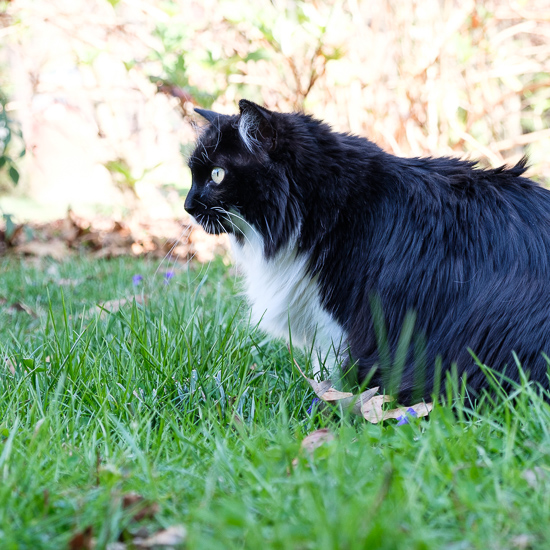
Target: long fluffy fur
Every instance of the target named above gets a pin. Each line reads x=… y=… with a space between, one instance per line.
x=466 y=250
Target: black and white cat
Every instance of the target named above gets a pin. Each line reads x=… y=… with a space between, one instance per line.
x=340 y=242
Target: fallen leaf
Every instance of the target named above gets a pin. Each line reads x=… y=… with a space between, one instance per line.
x=522 y=541
x=372 y=409
x=314 y=440
x=55 y=248
x=139 y=506
x=332 y=394
x=10 y=365
x=324 y=389
x=38 y=425
x=82 y=540
x=105 y=238
x=20 y=306
x=112 y=306
x=355 y=402
x=172 y=536
x=326 y=392
x=367 y=404
x=420 y=409
x=69 y=282
x=237 y=420
x=320 y=388
x=535 y=476
x=112 y=251
x=317 y=438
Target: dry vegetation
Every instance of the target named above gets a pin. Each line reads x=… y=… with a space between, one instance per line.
x=419 y=78
x=100 y=86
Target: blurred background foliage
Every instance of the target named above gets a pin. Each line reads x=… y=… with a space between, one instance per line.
x=9 y=129
x=103 y=90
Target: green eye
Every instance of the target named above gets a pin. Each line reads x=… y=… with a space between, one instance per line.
x=218 y=175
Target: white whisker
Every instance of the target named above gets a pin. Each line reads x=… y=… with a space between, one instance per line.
x=238 y=230
x=244 y=221
x=227 y=216
x=185 y=233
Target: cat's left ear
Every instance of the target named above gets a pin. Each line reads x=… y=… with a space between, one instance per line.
x=210 y=116
x=256 y=126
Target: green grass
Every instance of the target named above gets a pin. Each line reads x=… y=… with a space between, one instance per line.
x=181 y=401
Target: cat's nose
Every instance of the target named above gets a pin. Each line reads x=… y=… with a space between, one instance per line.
x=190 y=204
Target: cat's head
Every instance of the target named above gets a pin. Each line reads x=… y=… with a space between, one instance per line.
x=242 y=175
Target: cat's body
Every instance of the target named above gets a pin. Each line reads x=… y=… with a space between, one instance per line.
x=327 y=226
x=286 y=302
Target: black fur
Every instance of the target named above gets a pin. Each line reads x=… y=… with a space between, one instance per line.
x=466 y=249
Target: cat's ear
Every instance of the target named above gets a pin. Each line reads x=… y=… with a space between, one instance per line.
x=210 y=116
x=256 y=126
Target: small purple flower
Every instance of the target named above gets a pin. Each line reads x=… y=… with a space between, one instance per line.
x=315 y=400
x=167 y=276
x=402 y=420
x=136 y=279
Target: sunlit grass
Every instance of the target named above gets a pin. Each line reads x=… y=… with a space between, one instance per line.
x=180 y=400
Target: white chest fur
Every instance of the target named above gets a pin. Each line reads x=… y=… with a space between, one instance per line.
x=285 y=300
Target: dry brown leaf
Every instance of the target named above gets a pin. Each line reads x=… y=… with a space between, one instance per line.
x=535 y=476
x=172 y=536
x=55 y=248
x=317 y=438
x=69 y=282
x=355 y=402
x=10 y=365
x=140 y=507
x=20 y=306
x=324 y=389
x=367 y=404
x=112 y=306
x=320 y=388
x=332 y=394
x=522 y=542
x=313 y=441
x=112 y=252
x=237 y=420
x=105 y=238
x=419 y=410
x=82 y=540
x=373 y=411
x=326 y=392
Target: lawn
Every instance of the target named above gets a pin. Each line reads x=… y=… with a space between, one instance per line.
x=172 y=411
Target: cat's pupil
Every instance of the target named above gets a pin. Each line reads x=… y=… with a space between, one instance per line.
x=218 y=175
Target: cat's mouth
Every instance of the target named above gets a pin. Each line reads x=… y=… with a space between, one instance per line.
x=211 y=223
x=218 y=220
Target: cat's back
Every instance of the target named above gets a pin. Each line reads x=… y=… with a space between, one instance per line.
x=496 y=213
x=455 y=179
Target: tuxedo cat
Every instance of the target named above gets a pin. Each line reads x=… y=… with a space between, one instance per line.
x=345 y=247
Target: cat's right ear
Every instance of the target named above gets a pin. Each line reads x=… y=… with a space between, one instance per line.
x=210 y=116
x=256 y=126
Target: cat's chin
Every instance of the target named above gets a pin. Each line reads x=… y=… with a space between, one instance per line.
x=212 y=226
